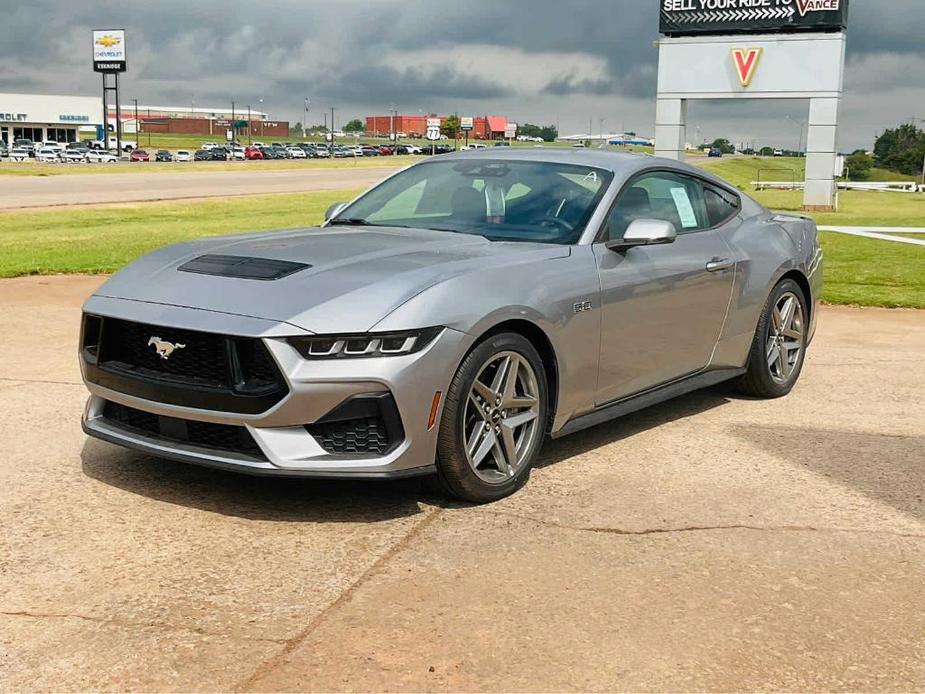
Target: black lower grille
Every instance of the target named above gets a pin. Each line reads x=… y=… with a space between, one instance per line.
x=181 y=367
x=223 y=437
x=366 y=424
x=353 y=436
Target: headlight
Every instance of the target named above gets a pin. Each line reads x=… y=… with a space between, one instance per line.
x=365 y=345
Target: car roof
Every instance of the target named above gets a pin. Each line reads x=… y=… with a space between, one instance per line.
x=622 y=164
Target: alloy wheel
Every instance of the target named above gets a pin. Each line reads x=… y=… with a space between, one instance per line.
x=501 y=421
x=784 y=347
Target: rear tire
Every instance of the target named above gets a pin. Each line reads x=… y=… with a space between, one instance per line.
x=778 y=349
x=494 y=420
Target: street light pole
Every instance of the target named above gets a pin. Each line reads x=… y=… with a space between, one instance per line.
x=332 y=128
x=137 y=126
x=306 y=102
x=802 y=125
x=249 y=124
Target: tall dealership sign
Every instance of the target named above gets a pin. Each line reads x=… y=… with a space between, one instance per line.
x=109 y=58
x=756 y=49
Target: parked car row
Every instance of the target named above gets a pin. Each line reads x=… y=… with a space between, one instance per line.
x=91 y=151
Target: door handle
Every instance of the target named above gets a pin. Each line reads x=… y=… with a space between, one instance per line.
x=720 y=264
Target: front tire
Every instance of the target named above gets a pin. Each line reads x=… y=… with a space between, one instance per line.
x=494 y=420
x=779 y=346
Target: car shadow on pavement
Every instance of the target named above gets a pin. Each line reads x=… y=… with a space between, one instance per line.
x=883 y=467
x=333 y=501
x=685 y=406
x=249 y=496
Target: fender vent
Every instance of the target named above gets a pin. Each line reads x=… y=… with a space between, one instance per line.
x=240 y=267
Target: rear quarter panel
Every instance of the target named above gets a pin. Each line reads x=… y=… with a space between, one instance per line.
x=765 y=247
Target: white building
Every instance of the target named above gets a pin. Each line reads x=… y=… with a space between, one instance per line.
x=40 y=117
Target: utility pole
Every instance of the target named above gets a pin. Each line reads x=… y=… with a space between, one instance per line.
x=234 y=131
x=392 y=114
x=305 y=103
x=249 y=124
x=137 y=126
x=332 y=127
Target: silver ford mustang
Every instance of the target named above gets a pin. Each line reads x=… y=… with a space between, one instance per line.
x=448 y=320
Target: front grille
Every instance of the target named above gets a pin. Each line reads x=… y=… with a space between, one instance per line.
x=200 y=358
x=353 y=436
x=222 y=437
x=202 y=370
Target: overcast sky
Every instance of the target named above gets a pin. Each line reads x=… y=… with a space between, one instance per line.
x=564 y=62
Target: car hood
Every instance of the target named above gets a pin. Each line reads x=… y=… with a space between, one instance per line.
x=357 y=275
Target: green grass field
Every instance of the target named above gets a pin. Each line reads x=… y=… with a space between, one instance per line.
x=859 y=271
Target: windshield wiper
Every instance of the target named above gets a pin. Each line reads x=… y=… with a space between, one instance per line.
x=353 y=222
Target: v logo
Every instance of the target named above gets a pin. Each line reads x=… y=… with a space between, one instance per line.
x=746 y=62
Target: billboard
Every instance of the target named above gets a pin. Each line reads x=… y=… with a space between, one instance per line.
x=466 y=123
x=695 y=17
x=109 y=50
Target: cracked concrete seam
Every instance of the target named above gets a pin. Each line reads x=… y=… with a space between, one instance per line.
x=289 y=645
x=705 y=528
x=126 y=625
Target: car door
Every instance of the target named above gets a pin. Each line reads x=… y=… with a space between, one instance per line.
x=663 y=306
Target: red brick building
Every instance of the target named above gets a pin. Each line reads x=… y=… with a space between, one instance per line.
x=483 y=128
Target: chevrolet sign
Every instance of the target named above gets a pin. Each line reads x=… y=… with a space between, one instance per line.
x=13 y=117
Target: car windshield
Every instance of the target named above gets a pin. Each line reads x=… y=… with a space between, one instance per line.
x=544 y=202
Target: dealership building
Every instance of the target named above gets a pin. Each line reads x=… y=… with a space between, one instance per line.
x=41 y=117
x=197 y=120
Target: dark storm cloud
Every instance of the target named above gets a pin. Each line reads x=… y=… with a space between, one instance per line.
x=531 y=59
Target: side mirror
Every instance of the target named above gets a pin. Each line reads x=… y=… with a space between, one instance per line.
x=644 y=232
x=334 y=210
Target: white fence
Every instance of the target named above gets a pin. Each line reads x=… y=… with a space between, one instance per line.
x=883 y=187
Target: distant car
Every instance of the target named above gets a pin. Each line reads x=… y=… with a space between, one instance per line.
x=25 y=144
x=75 y=156
x=296 y=153
x=502 y=143
x=238 y=153
x=183 y=155
x=4 y=150
x=385 y=150
x=202 y=155
x=220 y=153
x=778 y=152
x=139 y=155
x=163 y=155
x=48 y=154
x=52 y=144
x=715 y=153
x=101 y=156
x=19 y=154
x=251 y=153
x=369 y=151
x=280 y=152
x=209 y=145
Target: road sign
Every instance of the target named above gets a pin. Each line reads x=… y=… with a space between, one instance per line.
x=109 y=50
x=465 y=123
x=433 y=129
x=510 y=131
x=691 y=17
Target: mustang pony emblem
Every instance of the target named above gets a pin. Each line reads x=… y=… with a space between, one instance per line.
x=164 y=348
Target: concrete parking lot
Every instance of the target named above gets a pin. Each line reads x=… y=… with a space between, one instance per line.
x=712 y=543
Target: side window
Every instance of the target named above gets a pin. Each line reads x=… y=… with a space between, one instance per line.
x=659 y=195
x=721 y=205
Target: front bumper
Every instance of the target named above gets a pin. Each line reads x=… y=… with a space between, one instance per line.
x=316 y=388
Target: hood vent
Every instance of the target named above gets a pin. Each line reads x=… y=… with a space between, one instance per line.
x=265 y=269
